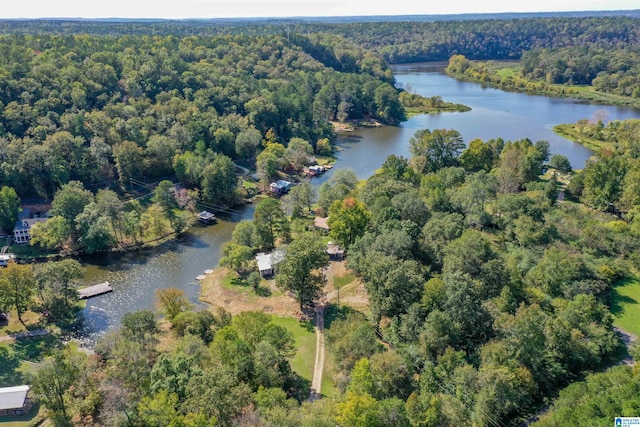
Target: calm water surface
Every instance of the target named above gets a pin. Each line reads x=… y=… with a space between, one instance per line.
x=495 y=113
x=136 y=276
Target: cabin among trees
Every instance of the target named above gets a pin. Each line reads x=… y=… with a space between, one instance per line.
x=268 y=262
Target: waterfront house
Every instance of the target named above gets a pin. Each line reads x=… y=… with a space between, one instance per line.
x=21 y=232
x=268 y=262
x=280 y=187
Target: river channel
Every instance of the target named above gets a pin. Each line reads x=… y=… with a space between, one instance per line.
x=495 y=113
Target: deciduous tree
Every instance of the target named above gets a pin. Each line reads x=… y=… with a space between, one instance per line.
x=299 y=273
x=17 y=287
x=270 y=222
x=9 y=208
x=435 y=150
x=348 y=220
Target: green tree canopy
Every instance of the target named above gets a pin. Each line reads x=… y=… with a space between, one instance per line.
x=9 y=208
x=299 y=273
x=270 y=223
x=434 y=150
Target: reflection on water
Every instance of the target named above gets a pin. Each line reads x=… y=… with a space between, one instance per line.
x=136 y=276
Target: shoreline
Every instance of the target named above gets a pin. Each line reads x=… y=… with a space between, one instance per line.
x=584 y=94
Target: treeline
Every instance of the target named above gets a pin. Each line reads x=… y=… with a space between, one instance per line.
x=488 y=39
x=96 y=108
x=609 y=181
x=612 y=88
x=396 y=41
x=218 y=370
x=607 y=70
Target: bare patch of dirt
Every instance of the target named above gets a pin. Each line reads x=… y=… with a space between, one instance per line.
x=238 y=298
x=217 y=292
x=352 y=294
x=339 y=127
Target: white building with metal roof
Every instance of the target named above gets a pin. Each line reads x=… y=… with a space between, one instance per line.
x=13 y=400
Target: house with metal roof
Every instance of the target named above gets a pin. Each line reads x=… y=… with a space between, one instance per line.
x=14 y=400
x=268 y=263
x=280 y=187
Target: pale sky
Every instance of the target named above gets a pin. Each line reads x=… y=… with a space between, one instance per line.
x=181 y=9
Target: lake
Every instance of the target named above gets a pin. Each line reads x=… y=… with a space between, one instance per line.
x=495 y=113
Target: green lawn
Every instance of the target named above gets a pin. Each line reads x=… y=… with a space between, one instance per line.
x=340 y=281
x=18 y=360
x=304 y=359
x=302 y=362
x=625 y=305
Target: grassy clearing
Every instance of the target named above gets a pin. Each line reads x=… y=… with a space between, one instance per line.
x=340 y=281
x=625 y=305
x=225 y=288
x=31 y=319
x=18 y=359
x=568 y=131
x=509 y=71
x=28 y=251
x=302 y=362
x=249 y=184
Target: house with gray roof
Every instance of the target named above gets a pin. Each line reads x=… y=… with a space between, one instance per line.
x=14 y=400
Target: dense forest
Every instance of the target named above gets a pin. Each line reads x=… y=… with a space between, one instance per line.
x=73 y=107
x=397 y=42
x=488 y=294
x=489 y=267
x=84 y=113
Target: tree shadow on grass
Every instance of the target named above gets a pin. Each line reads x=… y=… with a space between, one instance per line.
x=32 y=418
x=617 y=301
x=333 y=312
x=9 y=364
x=34 y=349
x=297 y=387
x=307 y=324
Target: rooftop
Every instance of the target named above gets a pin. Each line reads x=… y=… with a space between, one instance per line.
x=267 y=261
x=26 y=223
x=13 y=397
x=320 y=222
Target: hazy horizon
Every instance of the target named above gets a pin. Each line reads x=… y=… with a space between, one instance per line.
x=212 y=9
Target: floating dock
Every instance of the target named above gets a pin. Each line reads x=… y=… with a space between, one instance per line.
x=95 y=290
